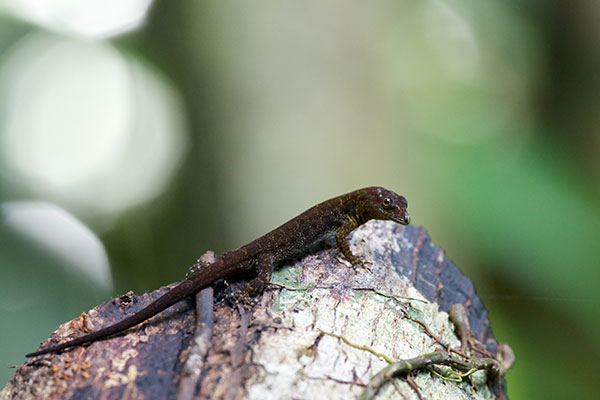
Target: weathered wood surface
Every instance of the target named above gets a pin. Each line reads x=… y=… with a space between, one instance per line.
x=276 y=349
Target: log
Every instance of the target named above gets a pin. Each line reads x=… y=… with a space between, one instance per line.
x=321 y=329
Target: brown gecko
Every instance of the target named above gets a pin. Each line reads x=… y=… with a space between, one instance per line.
x=340 y=215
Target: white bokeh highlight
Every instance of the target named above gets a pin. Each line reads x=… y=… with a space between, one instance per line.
x=83 y=125
x=89 y=18
x=61 y=235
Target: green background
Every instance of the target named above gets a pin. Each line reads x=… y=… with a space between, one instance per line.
x=485 y=115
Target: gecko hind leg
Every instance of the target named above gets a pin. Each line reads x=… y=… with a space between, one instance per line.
x=247 y=294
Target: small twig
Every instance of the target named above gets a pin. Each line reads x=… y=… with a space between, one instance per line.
x=237 y=351
x=395 y=385
x=418 y=321
x=434 y=337
x=410 y=381
x=458 y=315
x=337 y=380
x=438 y=357
x=460 y=318
x=192 y=368
x=203 y=332
x=237 y=354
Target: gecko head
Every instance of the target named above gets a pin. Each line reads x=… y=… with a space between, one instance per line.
x=380 y=203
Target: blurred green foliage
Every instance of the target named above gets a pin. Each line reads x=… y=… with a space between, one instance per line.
x=485 y=115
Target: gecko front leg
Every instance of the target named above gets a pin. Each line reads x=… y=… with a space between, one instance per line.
x=341 y=238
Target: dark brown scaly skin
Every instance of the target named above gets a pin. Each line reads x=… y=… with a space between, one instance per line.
x=340 y=215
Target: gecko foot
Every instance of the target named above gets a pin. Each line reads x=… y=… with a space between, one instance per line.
x=355 y=262
x=241 y=297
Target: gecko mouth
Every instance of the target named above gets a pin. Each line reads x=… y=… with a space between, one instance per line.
x=404 y=221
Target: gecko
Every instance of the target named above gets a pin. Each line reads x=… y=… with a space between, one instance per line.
x=255 y=260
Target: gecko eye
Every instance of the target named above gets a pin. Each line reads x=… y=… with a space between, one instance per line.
x=386 y=202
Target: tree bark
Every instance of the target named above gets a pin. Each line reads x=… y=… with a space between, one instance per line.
x=321 y=329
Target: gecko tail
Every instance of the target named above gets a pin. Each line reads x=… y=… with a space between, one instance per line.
x=181 y=291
